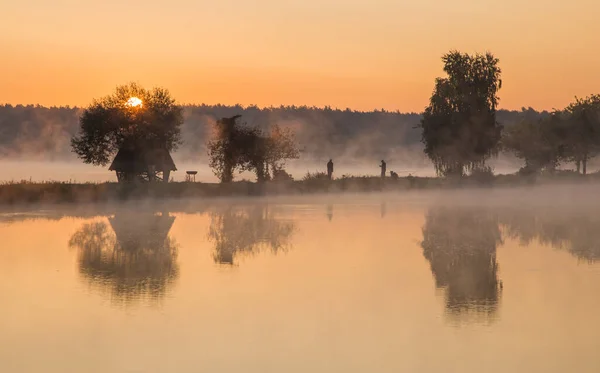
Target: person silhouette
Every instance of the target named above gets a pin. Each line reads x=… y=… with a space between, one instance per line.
x=411 y=180
x=330 y=169
x=383 y=166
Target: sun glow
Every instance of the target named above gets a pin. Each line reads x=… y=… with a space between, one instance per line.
x=134 y=102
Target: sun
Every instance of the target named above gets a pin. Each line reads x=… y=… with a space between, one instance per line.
x=134 y=102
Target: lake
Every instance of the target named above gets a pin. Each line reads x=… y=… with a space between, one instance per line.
x=372 y=283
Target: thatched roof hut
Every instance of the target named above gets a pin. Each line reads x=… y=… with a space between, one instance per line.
x=138 y=161
x=131 y=162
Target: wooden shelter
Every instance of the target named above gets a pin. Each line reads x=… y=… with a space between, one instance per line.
x=191 y=176
x=131 y=164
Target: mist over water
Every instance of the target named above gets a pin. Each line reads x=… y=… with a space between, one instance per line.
x=35 y=141
x=75 y=171
x=507 y=280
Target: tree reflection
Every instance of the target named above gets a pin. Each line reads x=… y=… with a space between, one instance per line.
x=137 y=260
x=246 y=231
x=574 y=230
x=460 y=245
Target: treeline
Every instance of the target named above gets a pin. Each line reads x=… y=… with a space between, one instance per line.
x=462 y=131
x=35 y=131
x=570 y=135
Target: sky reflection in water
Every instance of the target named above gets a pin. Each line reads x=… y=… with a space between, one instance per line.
x=348 y=285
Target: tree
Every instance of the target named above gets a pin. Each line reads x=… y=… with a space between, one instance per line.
x=583 y=137
x=266 y=155
x=245 y=148
x=230 y=147
x=539 y=141
x=132 y=117
x=459 y=127
x=282 y=146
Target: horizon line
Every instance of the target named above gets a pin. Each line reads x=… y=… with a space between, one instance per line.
x=270 y=107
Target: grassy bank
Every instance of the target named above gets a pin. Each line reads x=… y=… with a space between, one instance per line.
x=25 y=192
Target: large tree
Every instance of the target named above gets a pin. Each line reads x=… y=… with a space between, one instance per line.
x=459 y=127
x=132 y=117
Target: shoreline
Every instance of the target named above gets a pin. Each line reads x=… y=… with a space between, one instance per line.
x=58 y=193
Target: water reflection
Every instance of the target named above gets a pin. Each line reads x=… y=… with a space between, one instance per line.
x=137 y=259
x=460 y=245
x=248 y=230
x=577 y=231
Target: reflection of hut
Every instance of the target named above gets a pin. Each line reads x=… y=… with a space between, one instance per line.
x=138 y=260
x=148 y=165
x=141 y=232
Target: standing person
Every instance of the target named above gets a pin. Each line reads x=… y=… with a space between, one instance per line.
x=383 y=166
x=411 y=180
x=329 y=169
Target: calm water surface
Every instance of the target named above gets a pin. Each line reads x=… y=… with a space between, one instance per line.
x=298 y=286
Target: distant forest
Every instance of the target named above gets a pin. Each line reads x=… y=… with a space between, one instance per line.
x=37 y=132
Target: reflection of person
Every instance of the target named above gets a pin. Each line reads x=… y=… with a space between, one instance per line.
x=383 y=166
x=330 y=212
x=411 y=180
x=330 y=169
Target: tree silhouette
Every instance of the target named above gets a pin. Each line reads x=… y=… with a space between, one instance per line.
x=132 y=118
x=38 y=132
x=459 y=127
x=245 y=148
x=460 y=245
x=225 y=150
x=583 y=137
x=540 y=142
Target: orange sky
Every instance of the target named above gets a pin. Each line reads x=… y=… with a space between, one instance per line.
x=362 y=54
